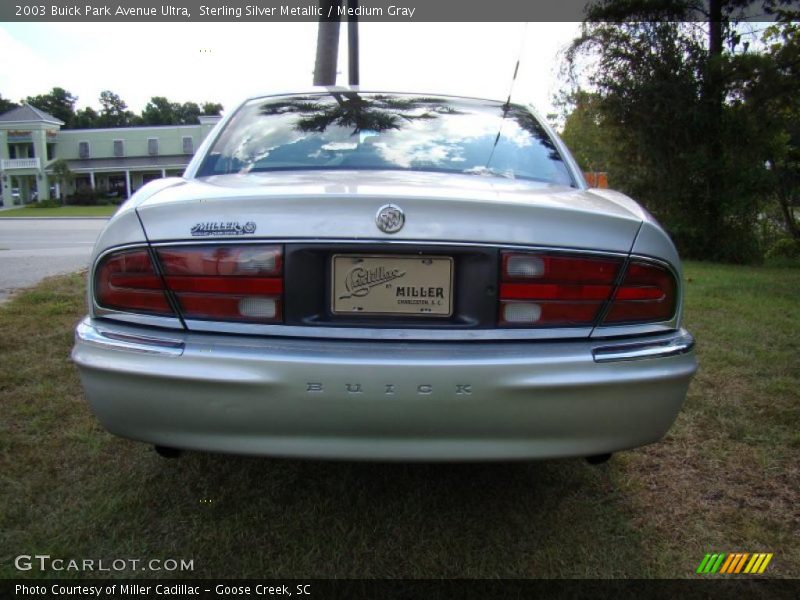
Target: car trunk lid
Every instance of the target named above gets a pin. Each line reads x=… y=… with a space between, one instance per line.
x=342 y=205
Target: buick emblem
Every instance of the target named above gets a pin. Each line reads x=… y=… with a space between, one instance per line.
x=390 y=218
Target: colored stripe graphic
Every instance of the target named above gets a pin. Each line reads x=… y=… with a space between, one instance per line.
x=710 y=563
x=735 y=563
x=764 y=564
x=703 y=563
x=727 y=563
x=740 y=564
x=730 y=565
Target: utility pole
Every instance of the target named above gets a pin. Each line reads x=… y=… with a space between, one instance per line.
x=327 y=43
x=352 y=42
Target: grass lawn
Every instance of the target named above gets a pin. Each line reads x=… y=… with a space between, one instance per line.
x=726 y=478
x=61 y=211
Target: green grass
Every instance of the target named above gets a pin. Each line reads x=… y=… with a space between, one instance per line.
x=61 y=211
x=726 y=478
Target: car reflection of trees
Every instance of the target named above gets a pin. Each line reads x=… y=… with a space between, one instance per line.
x=526 y=121
x=377 y=113
x=358 y=112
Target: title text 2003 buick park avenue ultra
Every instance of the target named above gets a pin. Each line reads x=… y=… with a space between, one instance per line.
x=363 y=275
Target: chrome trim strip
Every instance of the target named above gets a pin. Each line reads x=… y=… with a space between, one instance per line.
x=393 y=242
x=115 y=340
x=374 y=333
x=680 y=344
x=136 y=318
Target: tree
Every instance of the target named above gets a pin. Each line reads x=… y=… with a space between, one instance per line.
x=160 y=111
x=113 y=111
x=6 y=105
x=211 y=108
x=585 y=133
x=63 y=175
x=663 y=90
x=188 y=113
x=771 y=96
x=86 y=118
x=58 y=102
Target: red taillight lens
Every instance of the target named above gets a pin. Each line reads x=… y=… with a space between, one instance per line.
x=226 y=282
x=127 y=281
x=553 y=290
x=648 y=293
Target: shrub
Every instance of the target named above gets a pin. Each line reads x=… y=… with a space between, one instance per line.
x=88 y=197
x=784 y=248
x=46 y=204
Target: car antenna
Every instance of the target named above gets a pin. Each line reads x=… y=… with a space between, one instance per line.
x=507 y=105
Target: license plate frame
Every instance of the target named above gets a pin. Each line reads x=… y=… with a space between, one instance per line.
x=379 y=285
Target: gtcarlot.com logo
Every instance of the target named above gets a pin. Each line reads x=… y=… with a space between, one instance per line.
x=734 y=563
x=45 y=562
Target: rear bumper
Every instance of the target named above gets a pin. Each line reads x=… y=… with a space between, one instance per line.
x=382 y=400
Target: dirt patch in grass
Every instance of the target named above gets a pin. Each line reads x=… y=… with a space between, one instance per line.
x=725 y=479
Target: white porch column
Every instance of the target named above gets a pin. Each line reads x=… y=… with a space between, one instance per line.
x=128 y=184
x=163 y=173
x=91 y=179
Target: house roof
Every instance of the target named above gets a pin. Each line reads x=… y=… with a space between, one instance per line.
x=27 y=113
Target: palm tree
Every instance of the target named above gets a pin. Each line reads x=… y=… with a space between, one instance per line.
x=62 y=174
x=377 y=112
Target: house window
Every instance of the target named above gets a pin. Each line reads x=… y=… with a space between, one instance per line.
x=152 y=146
x=119 y=148
x=188 y=145
x=83 y=149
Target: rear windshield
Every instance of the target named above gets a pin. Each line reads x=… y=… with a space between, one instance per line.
x=349 y=130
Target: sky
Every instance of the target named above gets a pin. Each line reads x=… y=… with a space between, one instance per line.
x=227 y=62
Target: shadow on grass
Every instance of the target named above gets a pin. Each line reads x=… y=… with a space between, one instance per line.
x=239 y=516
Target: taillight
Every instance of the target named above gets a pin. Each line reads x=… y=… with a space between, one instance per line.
x=647 y=293
x=127 y=281
x=559 y=290
x=551 y=290
x=226 y=282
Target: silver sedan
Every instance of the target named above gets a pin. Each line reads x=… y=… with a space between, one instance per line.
x=372 y=275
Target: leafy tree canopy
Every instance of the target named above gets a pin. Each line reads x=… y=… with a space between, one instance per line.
x=6 y=105
x=667 y=105
x=58 y=102
x=114 y=110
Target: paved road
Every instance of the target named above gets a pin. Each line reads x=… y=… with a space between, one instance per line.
x=32 y=249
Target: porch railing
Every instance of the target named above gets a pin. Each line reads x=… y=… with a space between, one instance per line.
x=9 y=164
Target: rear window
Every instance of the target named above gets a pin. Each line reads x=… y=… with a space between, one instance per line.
x=349 y=130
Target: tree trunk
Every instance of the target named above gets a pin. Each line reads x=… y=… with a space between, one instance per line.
x=713 y=101
x=785 y=197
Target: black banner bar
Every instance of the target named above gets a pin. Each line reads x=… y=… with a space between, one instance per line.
x=399 y=589
x=310 y=10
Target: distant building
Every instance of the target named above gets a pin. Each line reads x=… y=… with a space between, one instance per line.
x=118 y=160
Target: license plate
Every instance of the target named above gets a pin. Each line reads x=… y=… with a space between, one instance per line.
x=392 y=285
